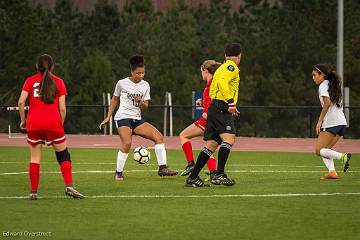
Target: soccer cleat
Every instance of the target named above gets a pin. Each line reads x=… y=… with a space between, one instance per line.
x=166 y=171
x=346 y=159
x=330 y=175
x=212 y=175
x=118 y=176
x=222 y=179
x=197 y=182
x=71 y=192
x=33 y=196
x=189 y=168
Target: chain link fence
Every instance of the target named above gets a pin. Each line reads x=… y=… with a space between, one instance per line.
x=254 y=121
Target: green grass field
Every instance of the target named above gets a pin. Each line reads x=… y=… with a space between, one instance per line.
x=277 y=196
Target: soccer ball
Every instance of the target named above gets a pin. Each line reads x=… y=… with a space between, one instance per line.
x=141 y=155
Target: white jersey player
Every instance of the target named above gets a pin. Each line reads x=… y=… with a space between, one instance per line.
x=331 y=124
x=133 y=94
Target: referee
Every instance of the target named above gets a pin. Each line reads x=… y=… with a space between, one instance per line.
x=220 y=127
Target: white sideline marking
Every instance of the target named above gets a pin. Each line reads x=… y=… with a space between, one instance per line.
x=138 y=170
x=201 y=196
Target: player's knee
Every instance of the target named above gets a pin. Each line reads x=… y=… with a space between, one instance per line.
x=183 y=136
x=126 y=146
x=158 y=138
x=63 y=156
x=317 y=151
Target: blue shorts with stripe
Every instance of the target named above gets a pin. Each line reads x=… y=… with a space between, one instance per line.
x=131 y=123
x=336 y=130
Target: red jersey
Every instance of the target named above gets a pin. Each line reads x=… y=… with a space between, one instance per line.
x=206 y=97
x=43 y=116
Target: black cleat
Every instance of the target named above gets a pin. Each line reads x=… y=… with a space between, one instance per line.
x=33 y=196
x=119 y=176
x=197 y=182
x=222 y=179
x=166 y=171
x=189 y=168
x=71 y=192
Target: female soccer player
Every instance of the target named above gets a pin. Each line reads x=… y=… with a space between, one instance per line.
x=44 y=123
x=134 y=95
x=197 y=128
x=332 y=123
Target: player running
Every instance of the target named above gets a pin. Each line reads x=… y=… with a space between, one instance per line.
x=197 y=128
x=45 y=122
x=134 y=94
x=331 y=124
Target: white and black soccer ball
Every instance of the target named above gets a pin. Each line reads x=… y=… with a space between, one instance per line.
x=141 y=155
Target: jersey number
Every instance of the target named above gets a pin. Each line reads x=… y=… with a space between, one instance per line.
x=36 y=92
x=135 y=103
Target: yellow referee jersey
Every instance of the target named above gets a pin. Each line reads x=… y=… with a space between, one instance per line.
x=225 y=83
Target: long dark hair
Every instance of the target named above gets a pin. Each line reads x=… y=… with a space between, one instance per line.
x=48 y=87
x=334 y=83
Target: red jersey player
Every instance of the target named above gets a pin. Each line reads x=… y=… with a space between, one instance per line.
x=197 y=128
x=44 y=123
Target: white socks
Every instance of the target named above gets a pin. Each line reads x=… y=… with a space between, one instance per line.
x=160 y=153
x=121 y=159
x=329 y=163
x=330 y=154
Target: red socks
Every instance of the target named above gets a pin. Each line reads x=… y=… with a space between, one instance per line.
x=34 y=174
x=66 y=172
x=187 y=148
x=211 y=164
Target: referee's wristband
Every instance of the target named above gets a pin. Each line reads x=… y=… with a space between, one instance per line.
x=231 y=104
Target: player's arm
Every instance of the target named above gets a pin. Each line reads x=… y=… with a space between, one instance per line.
x=228 y=94
x=21 y=105
x=113 y=104
x=142 y=103
x=62 y=108
x=324 y=110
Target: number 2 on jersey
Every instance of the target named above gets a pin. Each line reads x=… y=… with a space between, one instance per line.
x=36 y=92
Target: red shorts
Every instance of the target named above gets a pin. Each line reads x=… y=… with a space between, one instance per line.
x=47 y=137
x=201 y=123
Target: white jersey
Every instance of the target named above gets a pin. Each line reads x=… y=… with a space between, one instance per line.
x=335 y=115
x=127 y=90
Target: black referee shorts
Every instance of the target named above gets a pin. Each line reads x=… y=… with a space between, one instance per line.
x=219 y=120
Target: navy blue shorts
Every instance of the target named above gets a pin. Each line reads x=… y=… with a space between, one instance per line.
x=337 y=130
x=131 y=123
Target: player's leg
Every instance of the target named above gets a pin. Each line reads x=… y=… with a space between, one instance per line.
x=324 y=142
x=188 y=133
x=125 y=134
x=193 y=180
x=34 y=169
x=228 y=139
x=148 y=131
x=64 y=159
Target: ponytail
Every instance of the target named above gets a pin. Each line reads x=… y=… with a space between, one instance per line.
x=48 y=87
x=335 y=88
x=334 y=83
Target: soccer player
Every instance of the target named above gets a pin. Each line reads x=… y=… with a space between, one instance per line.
x=134 y=94
x=331 y=124
x=220 y=127
x=45 y=122
x=197 y=128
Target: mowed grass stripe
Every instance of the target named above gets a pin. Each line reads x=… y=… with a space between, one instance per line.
x=198 y=196
x=139 y=170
